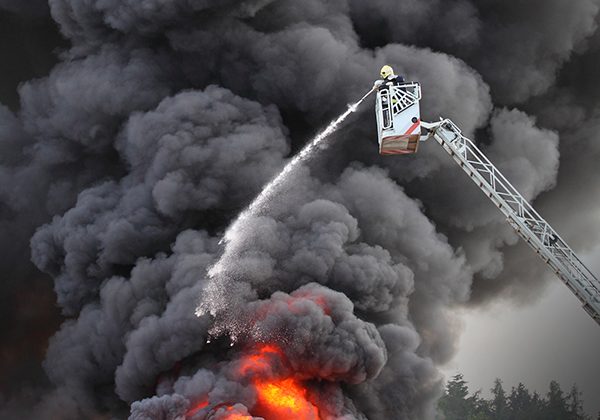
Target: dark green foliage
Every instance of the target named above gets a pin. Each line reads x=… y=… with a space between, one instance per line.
x=499 y=403
x=520 y=404
x=575 y=404
x=556 y=408
x=455 y=404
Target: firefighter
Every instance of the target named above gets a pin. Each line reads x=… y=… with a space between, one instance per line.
x=388 y=78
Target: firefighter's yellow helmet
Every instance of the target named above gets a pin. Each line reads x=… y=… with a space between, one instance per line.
x=386 y=71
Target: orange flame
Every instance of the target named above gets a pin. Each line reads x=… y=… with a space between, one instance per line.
x=236 y=416
x=195 y=409
x=279 y=398
x=260 y=362
x=284 y=399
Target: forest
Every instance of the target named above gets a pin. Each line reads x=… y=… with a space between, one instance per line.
x=517 y=404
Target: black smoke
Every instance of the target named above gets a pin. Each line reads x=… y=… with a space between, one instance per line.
x=130 y=145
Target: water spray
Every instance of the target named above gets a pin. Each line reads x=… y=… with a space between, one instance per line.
x=263 y=198
x=273 y=186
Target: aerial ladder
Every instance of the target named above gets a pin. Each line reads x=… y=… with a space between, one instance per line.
x=399 y=132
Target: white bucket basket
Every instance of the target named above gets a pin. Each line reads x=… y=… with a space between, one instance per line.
x=398 y=118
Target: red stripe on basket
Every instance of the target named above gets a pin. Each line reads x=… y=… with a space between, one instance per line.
x=413 y=127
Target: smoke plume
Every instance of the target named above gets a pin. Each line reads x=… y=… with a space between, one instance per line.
x=123 y=165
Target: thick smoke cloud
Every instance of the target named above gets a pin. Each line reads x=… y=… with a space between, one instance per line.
x=122 y=167
x=25 y=294
x=180 y=158
x=516 y=46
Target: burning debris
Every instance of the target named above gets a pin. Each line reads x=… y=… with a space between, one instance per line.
x=277 y=395
x=294 y=351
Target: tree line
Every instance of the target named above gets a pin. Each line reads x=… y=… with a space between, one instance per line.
x=518 y=404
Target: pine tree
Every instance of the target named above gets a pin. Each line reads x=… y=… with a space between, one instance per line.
x=537 y=408
x=556 y=408
x=519 y=402
x=499 y=403
x=454 y=403
x=575 y=404
x=479 y=408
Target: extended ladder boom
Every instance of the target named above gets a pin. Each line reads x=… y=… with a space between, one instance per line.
x=520 y=214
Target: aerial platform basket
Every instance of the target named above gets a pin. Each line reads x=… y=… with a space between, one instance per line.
x=398 y=118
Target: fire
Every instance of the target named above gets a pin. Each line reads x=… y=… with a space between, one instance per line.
x=236 y=416
x=195 y=409
x=284 y=399
x=277 y=398
x=260 y=361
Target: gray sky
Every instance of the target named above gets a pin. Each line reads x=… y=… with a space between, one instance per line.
x=551 y=339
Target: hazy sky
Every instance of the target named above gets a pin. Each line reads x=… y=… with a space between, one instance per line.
x=552 y=339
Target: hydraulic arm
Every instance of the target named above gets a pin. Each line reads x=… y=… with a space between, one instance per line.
x=520 y=214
